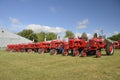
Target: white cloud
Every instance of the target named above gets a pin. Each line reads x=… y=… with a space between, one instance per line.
x=15 y=25
x=98 y=31
x=38 y=28
x=115 y=32
x=15 y=21
x=82 y=24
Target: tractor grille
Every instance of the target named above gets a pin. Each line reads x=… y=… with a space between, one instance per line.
x=92 y=43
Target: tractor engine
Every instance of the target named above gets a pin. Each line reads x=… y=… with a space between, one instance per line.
x=75 y=46
x=96 y=44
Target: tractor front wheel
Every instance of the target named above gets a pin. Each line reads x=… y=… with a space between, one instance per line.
x=29 y=51
x=75 y=52
x=83 y=53
x=109 y=49
x=65 y=52
x=98 y=53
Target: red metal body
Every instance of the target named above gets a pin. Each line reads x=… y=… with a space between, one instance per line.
x=75 y=46
x=23 y=47
x=96 y=44
x=77 y=43
x=43 y=47
x=30 y=47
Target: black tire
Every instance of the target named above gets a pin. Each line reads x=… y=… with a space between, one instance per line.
x=109 y=49
x=83 y=53
x=53 y=51
x=46 y=50
x=98 y=53
x=35 y=50
x=75 y=52
x=40 y=51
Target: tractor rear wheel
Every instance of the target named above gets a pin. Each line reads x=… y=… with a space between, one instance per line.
x=75 y=52
x=109 y=49
x=65 y=52
x=29 y=51
x=83 y=53
x=53 y=52
x=40 y=51
x=98 y=53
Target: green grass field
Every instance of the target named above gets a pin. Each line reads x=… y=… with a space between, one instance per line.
x=23 y=66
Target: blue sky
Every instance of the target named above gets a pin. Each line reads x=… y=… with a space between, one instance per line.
x=60 y=15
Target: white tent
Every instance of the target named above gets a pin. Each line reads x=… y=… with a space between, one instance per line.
x=7 y=37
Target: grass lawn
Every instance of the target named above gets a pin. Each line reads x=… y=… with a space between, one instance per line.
x=23 y=66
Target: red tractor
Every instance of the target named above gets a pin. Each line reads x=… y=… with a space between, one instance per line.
x=75 y=46
x=43 y=47
x=96 y=44
x=30 y=47
x=10 y=47
x=40 y=47
x=56 y=47
x=13 y=47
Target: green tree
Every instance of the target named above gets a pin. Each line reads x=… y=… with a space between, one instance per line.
x=41 y=36
x=84 y=36
x=115 y=37
x=51 y=36
x=69 y=34
x=29 y=34
x=95 y=35
x=33 y=37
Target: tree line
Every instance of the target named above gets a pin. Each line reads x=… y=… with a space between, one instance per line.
x=37 y=37
x=115 y=37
